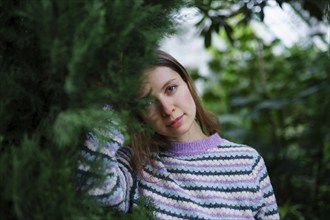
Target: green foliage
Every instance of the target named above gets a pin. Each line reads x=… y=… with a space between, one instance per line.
x=144 y=210
x=278 y=103
x=60 y=62
x=225 y=16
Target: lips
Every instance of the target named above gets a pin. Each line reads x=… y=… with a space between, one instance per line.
x=176 y=122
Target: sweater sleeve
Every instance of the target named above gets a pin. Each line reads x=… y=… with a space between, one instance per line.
x=268 y=206
x=106 y=170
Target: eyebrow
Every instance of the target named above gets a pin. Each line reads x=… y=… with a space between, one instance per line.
x=167 y=83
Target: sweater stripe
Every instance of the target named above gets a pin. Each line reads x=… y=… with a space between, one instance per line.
x=206 y=213
x=166 y=190
x=187 y=198
x=212 y=157
x=176 y=165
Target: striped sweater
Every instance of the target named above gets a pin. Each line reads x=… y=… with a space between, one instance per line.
x=206 y=179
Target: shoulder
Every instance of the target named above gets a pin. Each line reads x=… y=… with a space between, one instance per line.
x=240 y=153
x=227 y=146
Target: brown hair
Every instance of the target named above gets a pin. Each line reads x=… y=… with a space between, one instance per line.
x=144 y=144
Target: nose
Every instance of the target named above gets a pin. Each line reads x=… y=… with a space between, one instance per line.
x=166 y=107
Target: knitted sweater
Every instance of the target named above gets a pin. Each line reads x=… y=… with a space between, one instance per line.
x=206 y=179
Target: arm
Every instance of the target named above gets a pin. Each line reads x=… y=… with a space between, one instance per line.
x=106 y=171
x=268 y=206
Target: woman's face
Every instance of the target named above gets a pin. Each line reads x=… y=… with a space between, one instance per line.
x=172 y=111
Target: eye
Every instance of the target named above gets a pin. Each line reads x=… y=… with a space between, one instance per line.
x=171 y=89
x=148 y=102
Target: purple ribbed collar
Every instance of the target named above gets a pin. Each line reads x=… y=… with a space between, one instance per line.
x=194 y=147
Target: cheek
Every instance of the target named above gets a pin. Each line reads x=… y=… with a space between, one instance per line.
x=151 y=121
x=150 y=117
x=188 y=100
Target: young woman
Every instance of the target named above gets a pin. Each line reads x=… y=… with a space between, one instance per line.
x=185 y=168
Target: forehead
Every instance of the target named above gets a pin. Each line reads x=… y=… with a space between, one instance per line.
x=156 y=77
